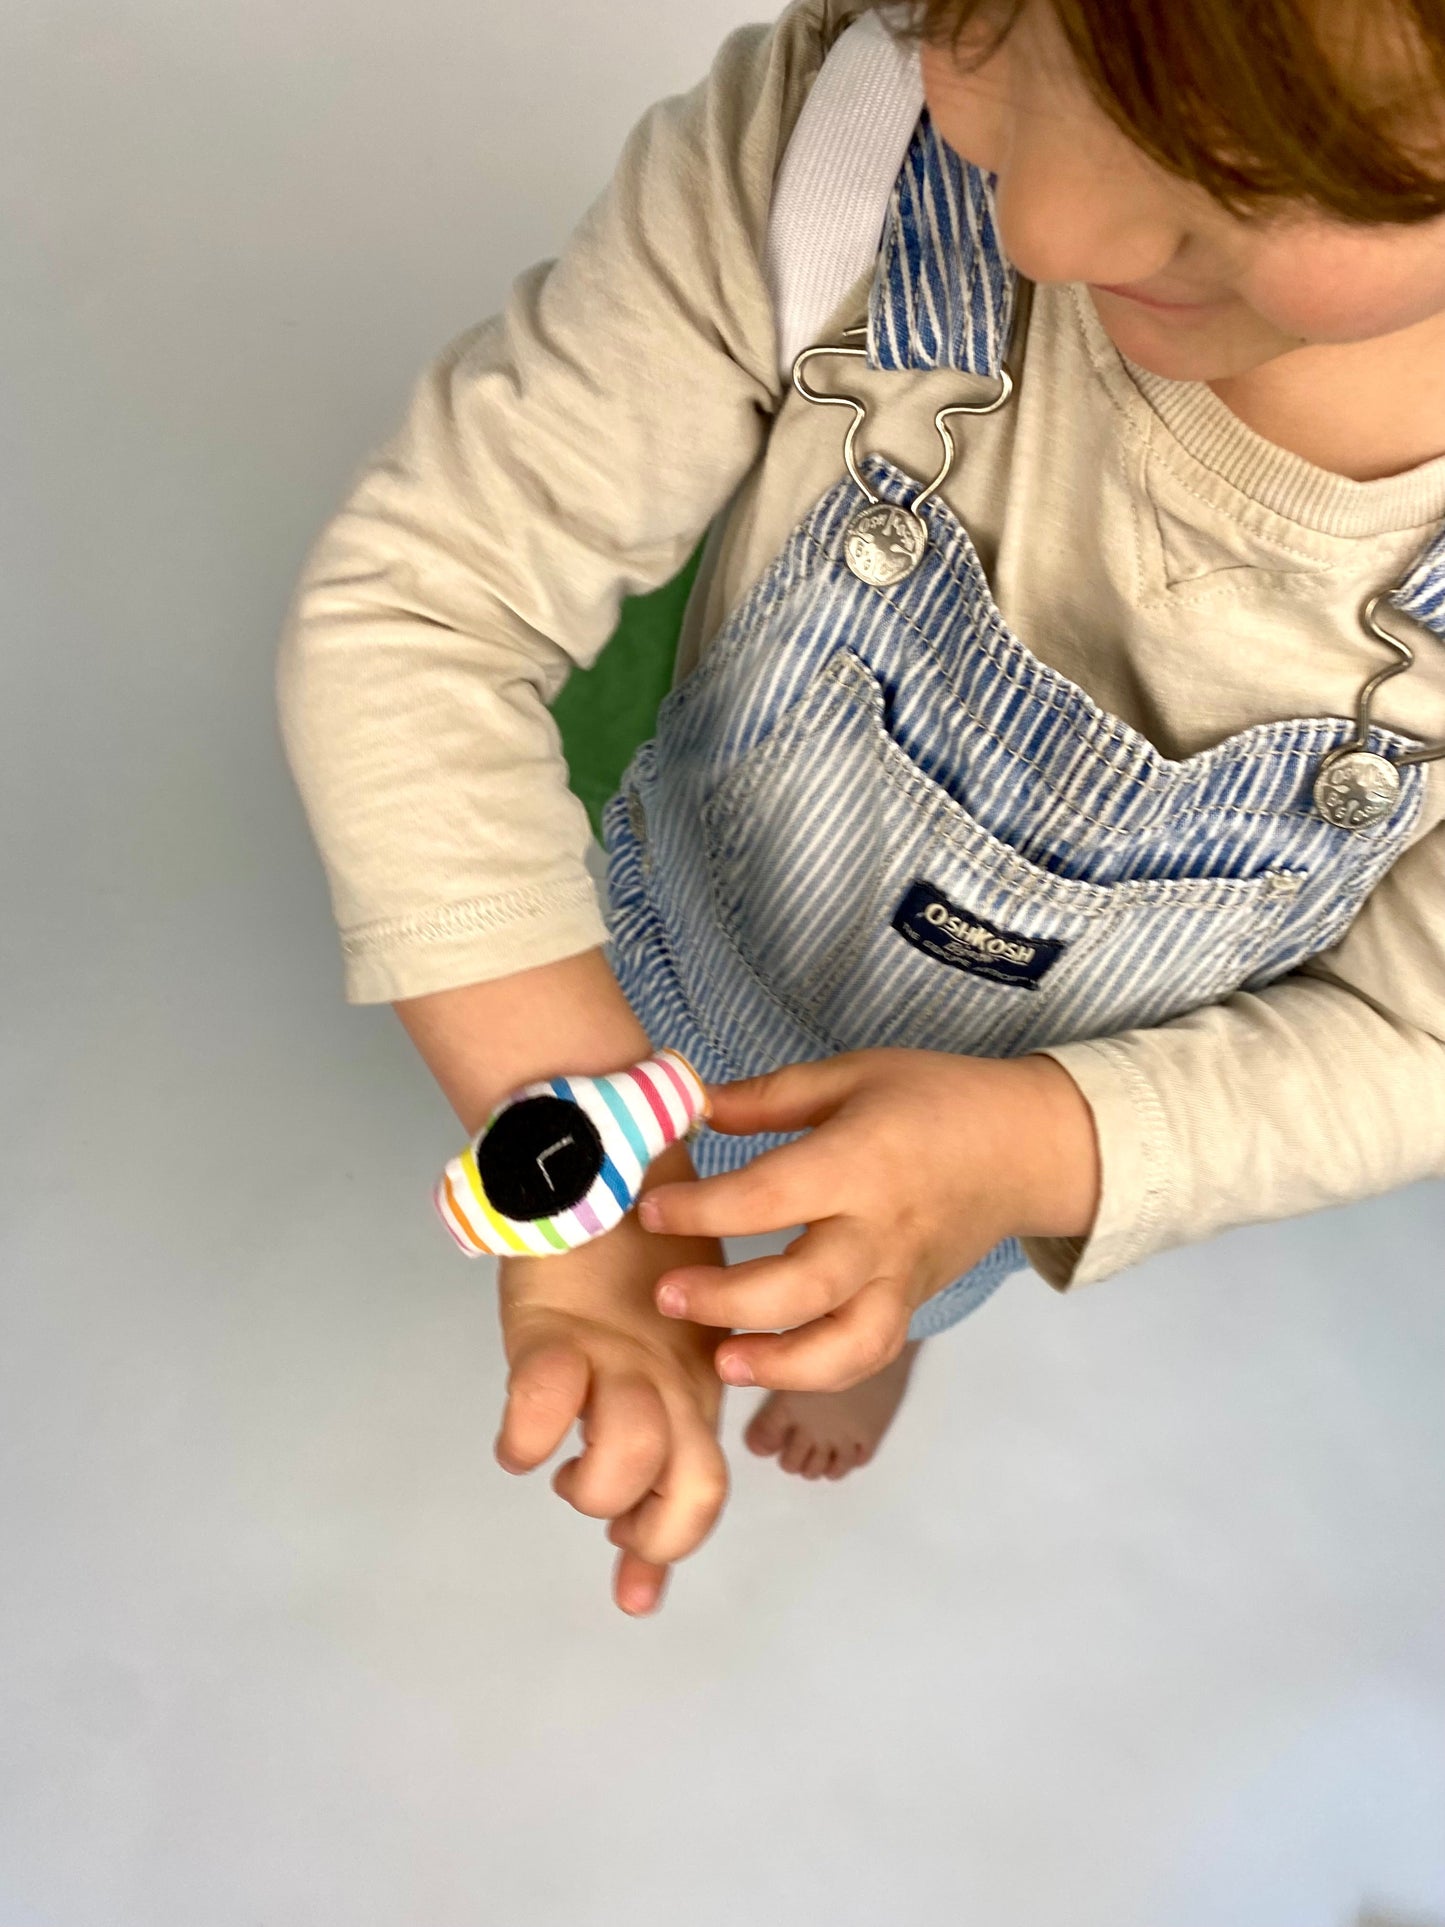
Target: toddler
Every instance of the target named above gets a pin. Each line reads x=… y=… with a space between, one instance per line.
x=1040 y=852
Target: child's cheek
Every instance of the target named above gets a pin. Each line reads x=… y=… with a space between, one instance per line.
x=1329 y=285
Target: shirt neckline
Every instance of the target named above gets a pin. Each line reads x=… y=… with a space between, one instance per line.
x=1288 y=485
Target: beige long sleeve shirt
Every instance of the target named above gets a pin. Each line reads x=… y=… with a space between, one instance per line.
x=1192 y=577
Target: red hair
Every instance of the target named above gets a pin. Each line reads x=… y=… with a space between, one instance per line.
x=1247 y=100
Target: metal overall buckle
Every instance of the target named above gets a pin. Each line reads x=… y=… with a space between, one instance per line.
x=884 y=542
x=1354 y=786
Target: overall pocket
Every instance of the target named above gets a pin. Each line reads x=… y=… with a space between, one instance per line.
x=877 y=911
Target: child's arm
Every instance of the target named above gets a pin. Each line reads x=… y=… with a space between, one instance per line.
x=583 y=1338
x=483 y=1040
x=552 y=460
x=1325 y=1088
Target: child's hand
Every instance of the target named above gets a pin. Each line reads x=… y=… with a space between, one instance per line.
x=916 y=1165
x=584 y=1340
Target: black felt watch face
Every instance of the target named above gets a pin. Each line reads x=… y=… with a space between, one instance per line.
x=541 y=1156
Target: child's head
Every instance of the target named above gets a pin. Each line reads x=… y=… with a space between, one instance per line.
x=1282 y=163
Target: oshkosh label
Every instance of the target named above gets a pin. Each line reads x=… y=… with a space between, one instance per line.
x=928 y=920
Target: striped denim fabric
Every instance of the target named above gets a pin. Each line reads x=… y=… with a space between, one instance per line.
x=871 y=817
x=1422 y=593
x=642 y=954
x=943 y=292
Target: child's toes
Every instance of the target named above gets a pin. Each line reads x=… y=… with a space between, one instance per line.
x=796 y=1451
x=768 y=1429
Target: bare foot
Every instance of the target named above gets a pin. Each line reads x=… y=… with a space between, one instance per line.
x=825 y=1434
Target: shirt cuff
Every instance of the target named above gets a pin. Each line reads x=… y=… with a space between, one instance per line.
x=1135 y=1168
x=470 y=942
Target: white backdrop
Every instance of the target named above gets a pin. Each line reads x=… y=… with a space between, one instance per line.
x=1136 y=1620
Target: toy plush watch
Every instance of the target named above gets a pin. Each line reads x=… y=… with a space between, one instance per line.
x=561 y=1161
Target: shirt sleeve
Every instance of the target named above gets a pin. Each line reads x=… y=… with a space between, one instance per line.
x=1324 y=1088
x=552 y=460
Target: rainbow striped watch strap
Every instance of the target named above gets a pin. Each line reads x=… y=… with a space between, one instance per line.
x=560 y=1161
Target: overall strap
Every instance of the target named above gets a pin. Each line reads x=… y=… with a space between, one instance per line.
x=866 y=178
x=1422 y=592
x=865 y=166
x=944 y=293
x=837 y=179
x=945 y=296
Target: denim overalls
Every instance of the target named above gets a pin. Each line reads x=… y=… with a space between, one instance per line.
x=871 y=817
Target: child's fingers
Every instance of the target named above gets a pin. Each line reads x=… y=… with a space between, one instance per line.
x=625 y=1447
x=546 y=1389
x=637 y=1584
x=819 y=1271
x=791 y=1099
x=792 y=1184
x=836 y=1351
x=682 y=1509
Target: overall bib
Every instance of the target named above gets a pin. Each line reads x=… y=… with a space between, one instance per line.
x=871 y=817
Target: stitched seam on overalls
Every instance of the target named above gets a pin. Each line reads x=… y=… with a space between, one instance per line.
x=1002 y=868
x=641 y=907
x=729 y=922
x=1010 y=869
x=953 y=555
x=722 y=1002
x=1026 y=680
x=728 y=925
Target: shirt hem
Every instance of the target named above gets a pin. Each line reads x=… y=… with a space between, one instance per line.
x=468 y=943
x=1133 y=1156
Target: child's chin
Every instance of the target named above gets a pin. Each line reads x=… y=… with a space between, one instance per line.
x=1181 y=347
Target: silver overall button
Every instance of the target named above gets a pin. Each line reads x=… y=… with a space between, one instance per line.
x=884 y=543
x=1356 y=788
